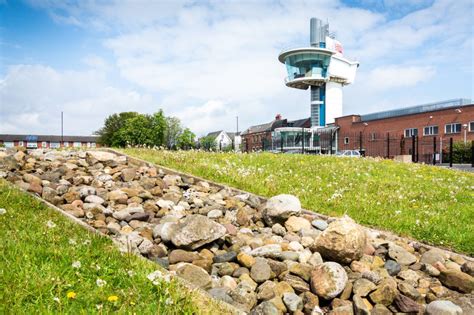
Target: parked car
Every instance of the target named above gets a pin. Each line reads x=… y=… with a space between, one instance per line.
x=349 y=153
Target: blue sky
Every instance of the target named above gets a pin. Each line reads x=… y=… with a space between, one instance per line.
x=207 y=62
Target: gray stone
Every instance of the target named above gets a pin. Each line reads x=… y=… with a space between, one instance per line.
x=266 y=308
x=260 y=271
x=194 y=274
x=392 y=267
x=195 y=231
x=85 y=191
x=279 y=208
x=432 y=256
x=361 y=305
x=215 y=214
x=468 y=267
x=221 y=294
x=266 y=250
x=292 y=302
x=401 y=255
x=94 y=199
x=244 y=296
x=362 y=287
x=442 y=307
x=229 y=256
x=128 y=174
x=320 y=224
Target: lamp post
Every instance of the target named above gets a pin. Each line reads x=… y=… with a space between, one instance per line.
x=465 y=133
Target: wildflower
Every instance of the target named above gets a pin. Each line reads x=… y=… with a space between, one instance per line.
x=2 y=211
x=76 y=264
x=50 y=224
x=131 y=273
x=112 y=298
x=99 y=306
x=155 y=274
x=72 y=241
x=169 y=301
x=132 y=303
x=100 y=283
x=71 y=295
x=86 y=242
x=56 y=299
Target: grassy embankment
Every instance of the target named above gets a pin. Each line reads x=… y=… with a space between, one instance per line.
x=428 y=203
x=49 y=264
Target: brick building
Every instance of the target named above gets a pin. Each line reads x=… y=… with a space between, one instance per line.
x=446 y=119
x=48 y=141
x=259 y=137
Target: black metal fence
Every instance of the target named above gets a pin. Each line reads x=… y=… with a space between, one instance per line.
x=419 y=149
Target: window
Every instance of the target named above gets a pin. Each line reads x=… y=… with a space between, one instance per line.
x=77 y=144
x=44 y=144
x=452 y=128
x=410 y=132
x=54 y=145
x=372 y=136
x=92 y=144
x=346 y=140
x=32 y=145
x=430 y=130
x=8 y=144
x=21 y=143
x=471 y=126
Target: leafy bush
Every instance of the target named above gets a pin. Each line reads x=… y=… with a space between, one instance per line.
x=462 y=152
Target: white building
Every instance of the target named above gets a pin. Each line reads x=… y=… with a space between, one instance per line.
x=225 y=140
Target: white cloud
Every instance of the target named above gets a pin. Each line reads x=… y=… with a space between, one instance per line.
x=33 y=96
x=390 y=77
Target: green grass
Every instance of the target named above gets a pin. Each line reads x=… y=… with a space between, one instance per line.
x=36 y=272
x=428 y=203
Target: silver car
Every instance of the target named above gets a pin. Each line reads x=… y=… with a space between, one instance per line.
x=349 y=153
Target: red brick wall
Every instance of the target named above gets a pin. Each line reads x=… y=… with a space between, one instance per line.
x=253 y=141
x=352 y=126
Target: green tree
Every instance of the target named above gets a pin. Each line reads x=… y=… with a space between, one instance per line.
x=158 y=128
x=207 y=143
x=138 y=130
x=109 y=133
x=186 y=139
x=173 y=131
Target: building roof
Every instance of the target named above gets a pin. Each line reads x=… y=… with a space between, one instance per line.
x=424 y=108
x=299 y=122
x=214 y=134
x=265 y=127
x=232 y=135
x=50 y=138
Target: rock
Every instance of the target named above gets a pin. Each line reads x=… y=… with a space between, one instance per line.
x=245 y=259
x=405 y=304
x=385 y=293
x=49 y=194
x=220 y=294
x=392 y=267
x=319 y=224
x=101 y=156
x=315 y=259
x=432 y=256
x=35 y=188
x=179 y=255
x=292 y=302
x=260 y=271
x=117 y=196
x=226 y=257
x=279 y=208
x=362 y=287
x=266 y=250
x=128 y=174
x=408 y=290
x=457 y=280
x=409 y=276
x=328 y=280
x=343 y=241
x=295 y=224
x=215 y=214
x=277 y=267
x=145 y=247
x=266 y=290
x=124 y=213
x=361 y=306
x=94 y=199
x=194 y=274
x=195 y=231
x=278 y=229
x=468 y=267
x=244 y=296
x=380 y=309
x=85 y=191
x=266 y=308
x=301 y=270
x=138 y=216
x=298 y=284
x=401 y=255
x=442 y=307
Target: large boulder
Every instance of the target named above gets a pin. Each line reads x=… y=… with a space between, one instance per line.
x=195 y=231
x=194 y=274
x=328 y=280
x=443 y=307
x=457 y=280
x=279 y=208
x=343 y=241
x=101 y=156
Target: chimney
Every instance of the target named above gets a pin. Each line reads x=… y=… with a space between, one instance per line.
x=278 y=117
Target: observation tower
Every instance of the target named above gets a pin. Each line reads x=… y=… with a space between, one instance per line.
x=323 y=69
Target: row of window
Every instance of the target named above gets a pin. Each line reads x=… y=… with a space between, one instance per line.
x=433 y=130
x=53 y=145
